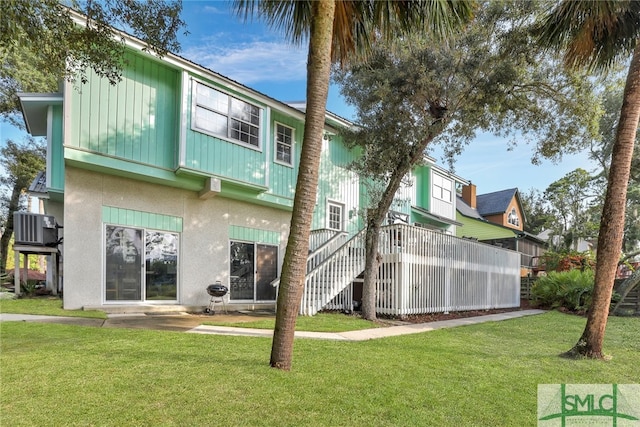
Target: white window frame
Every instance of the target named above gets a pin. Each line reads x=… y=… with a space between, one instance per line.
x=512 y=218
x=439 y=190
x=143 y=268
x=333 y=204
x=277 y=142
x=228 y=114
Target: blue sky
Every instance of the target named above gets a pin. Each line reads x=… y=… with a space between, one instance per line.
x=260 y=58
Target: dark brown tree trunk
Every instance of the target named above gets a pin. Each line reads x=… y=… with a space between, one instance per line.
x=372 y=263
x=295 y=259
x=612 y=223
x=14 y=205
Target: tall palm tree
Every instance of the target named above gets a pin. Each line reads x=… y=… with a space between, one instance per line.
x=598 y=34
x=336 y=31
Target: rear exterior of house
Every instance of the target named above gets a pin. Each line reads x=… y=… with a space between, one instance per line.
x=178 y=177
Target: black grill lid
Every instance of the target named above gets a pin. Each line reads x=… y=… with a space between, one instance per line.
x=217 y=290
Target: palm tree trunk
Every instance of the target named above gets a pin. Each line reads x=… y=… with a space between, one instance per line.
x=295 y=259
x=612 y=223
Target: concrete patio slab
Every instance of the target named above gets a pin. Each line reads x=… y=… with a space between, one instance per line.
x=193 y=324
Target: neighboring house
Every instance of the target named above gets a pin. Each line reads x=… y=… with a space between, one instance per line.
x=498 y=219
x=582 y=245
x=178 y=177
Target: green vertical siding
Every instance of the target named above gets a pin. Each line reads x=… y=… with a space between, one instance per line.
x=337 y=184
x=56 y=151
x=254 y=235
x=132 y=218
x=283 y=178
x=223 y=158
x=136 y=119
x=423 y=186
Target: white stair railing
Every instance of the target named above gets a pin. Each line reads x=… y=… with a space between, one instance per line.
x=336 y=239
x=320 y=236
x=333 y=275
x=325 y=250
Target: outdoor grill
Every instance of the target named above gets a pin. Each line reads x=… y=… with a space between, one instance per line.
x=217 y=292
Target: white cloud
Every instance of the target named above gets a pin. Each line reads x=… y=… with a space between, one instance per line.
x=250 y=62
x=214 y=10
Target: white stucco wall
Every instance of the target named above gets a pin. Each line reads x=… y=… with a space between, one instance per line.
x=204 y=241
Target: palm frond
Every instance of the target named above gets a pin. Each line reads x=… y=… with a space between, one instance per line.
x=357 y=24
x=593 y=34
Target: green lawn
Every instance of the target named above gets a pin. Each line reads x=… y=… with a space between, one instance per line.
x=477 y=375
x=321 y=322
x=46 y=306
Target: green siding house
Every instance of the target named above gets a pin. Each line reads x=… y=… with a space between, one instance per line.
x=178 y=177
x=498 y=219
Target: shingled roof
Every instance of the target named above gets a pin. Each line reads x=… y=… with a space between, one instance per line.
x=467 y=210
x=496 y=202
x=39 y=184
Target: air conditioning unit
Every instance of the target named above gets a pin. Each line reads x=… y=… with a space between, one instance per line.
x=34 y=229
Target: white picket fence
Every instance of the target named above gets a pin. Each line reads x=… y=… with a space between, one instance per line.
x=424 y=271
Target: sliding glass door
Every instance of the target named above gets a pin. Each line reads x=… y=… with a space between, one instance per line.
x=253 y=268
x=123 y=264
x=161 y=266
x=131 y=277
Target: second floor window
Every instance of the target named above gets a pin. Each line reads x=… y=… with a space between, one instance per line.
x=334 y=215
x=284 y=144
x=441 y=188
x=219 y=114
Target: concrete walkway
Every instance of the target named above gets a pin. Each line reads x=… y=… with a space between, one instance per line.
x=369 y=334
x=193 y=324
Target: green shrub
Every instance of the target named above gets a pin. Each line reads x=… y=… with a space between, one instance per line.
x=569 y=289
x=29 y=287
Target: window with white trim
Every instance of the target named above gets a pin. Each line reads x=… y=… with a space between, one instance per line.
x=335 y=215
x=284 y=144
x=512 y=218
x=219 y=114
x=441 y=188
